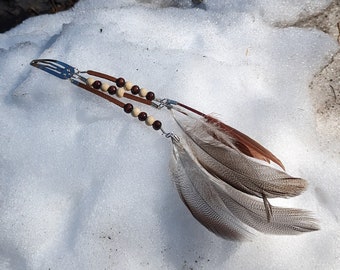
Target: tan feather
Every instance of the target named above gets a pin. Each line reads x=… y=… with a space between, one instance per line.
x=225 y=210
x=238 y=170
x=229 y=164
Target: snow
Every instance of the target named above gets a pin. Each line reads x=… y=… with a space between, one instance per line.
x=84 y=186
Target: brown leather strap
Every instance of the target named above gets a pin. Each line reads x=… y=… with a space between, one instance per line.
x=101 y=94
x=101 y=75
x=138 y=99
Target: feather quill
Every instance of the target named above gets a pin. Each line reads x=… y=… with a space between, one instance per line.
x=226 y=211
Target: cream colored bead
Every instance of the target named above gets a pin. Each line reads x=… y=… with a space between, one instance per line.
x=143 y=92
x=90 y=81
x=128 y=86
x=120 y=92
x=135 y=112
x=105 y=86
x=150 y=120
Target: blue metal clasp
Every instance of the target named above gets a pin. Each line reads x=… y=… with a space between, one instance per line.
x=55 y=67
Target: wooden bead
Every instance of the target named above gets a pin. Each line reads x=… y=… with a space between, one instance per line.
x=150 y=96
x=128 y=86
x=135 y=112
x=143 y=92
x=135 y=90
x=97 y=84
x=128 y=108
x=90 y=81
x=120 y=92
x=157 y=125
x=112 y=90
x=120 y=82
x=142 y=116
x=105 y=87
x=150 y=120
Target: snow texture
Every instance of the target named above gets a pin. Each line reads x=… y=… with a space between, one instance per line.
x=85 y=186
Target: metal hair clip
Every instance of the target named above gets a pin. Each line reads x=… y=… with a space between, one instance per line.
x=55 y=67
x=214 y=165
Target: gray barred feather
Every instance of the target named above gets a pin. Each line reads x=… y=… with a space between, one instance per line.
x=201 y=197
x=226 y=211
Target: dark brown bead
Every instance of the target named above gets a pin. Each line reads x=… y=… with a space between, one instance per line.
x=112 y=90
x=157 y=125
x=120 y=82
x=97 y=84
x=142 y=116
x=150 y=96
x=128 y=107
x=135 y=90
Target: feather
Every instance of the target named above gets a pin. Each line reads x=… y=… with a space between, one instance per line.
x=199 y=194
x=225 y=161
x=245 y=144
x=226 y=211
x=238 y=170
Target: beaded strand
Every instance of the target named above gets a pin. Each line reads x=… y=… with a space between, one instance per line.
x=136 y=90
x=119 y=91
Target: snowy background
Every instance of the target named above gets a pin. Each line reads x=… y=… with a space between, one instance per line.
x=84 y=186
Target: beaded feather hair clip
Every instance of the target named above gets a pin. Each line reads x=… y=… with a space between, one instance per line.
x=215 y=167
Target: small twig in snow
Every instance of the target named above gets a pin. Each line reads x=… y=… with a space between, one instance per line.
x=335 y=98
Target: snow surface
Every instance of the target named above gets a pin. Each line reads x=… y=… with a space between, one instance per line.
x=84 y=186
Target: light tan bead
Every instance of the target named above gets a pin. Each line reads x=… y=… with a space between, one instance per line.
x=143 y=92
x=135 y=112
x=90 y=81
x=105 y=86
x=149 y=121
x=120 y=92
x=128 y=86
